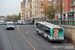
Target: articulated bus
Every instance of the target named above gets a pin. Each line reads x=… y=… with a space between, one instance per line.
x=50 y=31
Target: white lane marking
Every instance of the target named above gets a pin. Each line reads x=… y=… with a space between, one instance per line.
x=10 y=47
x=7 y=39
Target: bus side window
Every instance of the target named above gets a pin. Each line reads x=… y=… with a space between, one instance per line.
x=39 y=26
x=47 y=30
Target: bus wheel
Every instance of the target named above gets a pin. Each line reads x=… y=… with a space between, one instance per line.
x=47 y=38
x=41 y=35
x=37 y=32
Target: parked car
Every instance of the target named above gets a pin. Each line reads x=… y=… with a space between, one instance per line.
x=15 y=23
x=2 y=23
x=10 y=25
x=24 y=23
x=31 y=23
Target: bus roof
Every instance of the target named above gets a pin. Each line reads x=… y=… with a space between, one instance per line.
x=49 y=25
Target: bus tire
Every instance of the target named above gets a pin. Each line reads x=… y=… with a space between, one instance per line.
x=41 y=35
x=37 y=32
x=47 y=38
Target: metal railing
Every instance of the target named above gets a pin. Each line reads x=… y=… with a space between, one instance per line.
x=63 y=22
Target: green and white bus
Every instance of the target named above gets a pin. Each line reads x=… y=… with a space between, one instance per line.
x=50 y=31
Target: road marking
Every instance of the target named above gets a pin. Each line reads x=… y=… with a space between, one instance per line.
x=4 y=31
x=17 y=27
x=6 y=37
x=5 y=34
x=8 y=41
x=10 y=47
x=26 y=39
x=27 y=32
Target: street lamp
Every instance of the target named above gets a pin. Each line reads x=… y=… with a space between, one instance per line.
x=60 y=9
x=45 y=12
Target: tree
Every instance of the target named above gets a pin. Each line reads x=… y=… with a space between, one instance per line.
x=19 y=16
x=50 y=11
x=15 y=17
x=8 y=18
x=12 y=17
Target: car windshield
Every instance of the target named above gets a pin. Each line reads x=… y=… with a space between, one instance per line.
x=10 y=24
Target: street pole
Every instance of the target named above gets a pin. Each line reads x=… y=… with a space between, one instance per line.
x=45 y=12
x=60 y=9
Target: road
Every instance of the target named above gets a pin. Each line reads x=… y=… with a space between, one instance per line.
x=24 y=37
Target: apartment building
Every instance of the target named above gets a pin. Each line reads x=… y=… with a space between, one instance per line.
x=35 y=8
x=43 y=4
x=68 y=10
x=68 y=5
x=23 y=10
x=2 y=18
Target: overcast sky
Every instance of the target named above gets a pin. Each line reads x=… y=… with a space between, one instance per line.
x=9 y=7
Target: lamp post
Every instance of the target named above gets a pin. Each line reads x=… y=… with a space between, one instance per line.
x=60 y=9
x=45 y=12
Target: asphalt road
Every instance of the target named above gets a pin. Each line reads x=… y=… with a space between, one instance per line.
x=24 y=37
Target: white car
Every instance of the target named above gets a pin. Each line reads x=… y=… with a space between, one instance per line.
x=10 y=25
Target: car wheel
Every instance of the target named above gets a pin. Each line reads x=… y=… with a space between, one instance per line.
x=13 y=28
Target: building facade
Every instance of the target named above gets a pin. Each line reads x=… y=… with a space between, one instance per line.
x=45 y=3
x=23 y=10
x=34 y=9
x=68 y=10
x=68 y=5
x=2 y=18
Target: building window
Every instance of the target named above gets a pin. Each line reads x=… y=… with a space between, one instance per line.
x=42 y=15
x=31 y=5
x=49 y=4
x=72 y=3
x=31 y=13
x=36 y=12
x=42 y=5
x=54 y=0
x=23 y=4
x=54 y=4
x=57 y=0
x=54 y=7
x=41 y=9
x=63 y=10
x=22 y=13
x=72 y=9
x=22 y=10
x=49 y=0
x=63 y=4
x=41 y=0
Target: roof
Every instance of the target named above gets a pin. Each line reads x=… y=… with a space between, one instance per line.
x=2 y=16
x=49 y=25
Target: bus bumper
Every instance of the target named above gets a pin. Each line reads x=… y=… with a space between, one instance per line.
x=57 y=40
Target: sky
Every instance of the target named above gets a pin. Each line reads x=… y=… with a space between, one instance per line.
x=10 y=7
